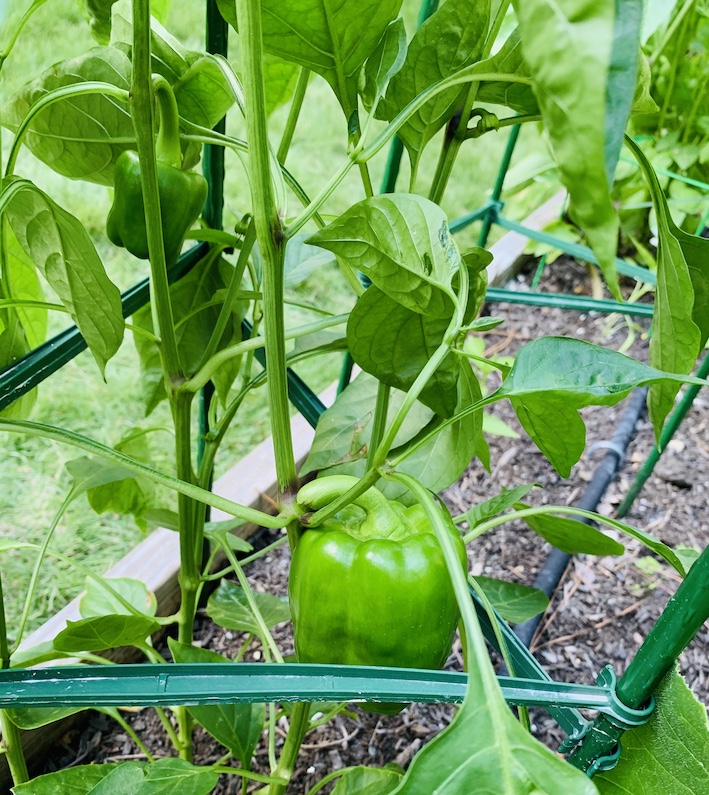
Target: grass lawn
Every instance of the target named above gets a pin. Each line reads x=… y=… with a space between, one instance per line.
x=33 y=482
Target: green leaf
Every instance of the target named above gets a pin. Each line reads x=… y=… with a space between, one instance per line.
x=13 y=346
x=225 y=531
x=556 y=429
x=553 y=377
x=99 y=12
x=494 y=426
x=345 y=428
x=570 y=535
x=177 y=777
x=280 y=78
x=229 y=608
x=680 y=320
x=331 y=38
x=509 y=60
x=448 y=41
x=236 y=726
x=402 y=243
x=61 y=249
x=386 y=60
x=367 y=781
x=496 y=505
x=105 y=632
x=302 y=259
x=34 y=655
x=25 y=287
x=101 y=127
x=514 y=602
x=670 y=753
x=622 y=78
x=583 y=58
x=126 y=779
x=99 y=601
x=203 y=93
x=393 y=343
x=78 y=780
x=28 y=718
x=194 y=291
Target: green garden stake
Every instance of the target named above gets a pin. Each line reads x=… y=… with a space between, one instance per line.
x=680 y=621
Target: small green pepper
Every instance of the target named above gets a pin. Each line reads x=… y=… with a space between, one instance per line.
x=182 y=193
x=370 y=586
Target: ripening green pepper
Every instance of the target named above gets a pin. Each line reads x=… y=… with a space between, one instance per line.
x=182 y=195
x=370 y=585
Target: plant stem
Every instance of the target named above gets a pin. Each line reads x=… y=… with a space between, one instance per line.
x=379 y=423
x=293 y=114
x=299 y=723
x=141 y=104
x=457 y=128
x=271 y=240
x=11 y=740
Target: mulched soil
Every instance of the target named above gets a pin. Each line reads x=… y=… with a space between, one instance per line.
x=600 y=613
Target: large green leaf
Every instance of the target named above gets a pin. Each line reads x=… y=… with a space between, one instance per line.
x=105 y=632
x=330 y=37
x=63 y=252
x=101 y=127
x=571 y=536
x=163 y=777
x=582 y=55
x=402 y=243
x=681 y=311
x=448 y=41
x=393 y=343
x=27 y=718
x=97 y=600
x=236 y=726
x=26 y=286
x=509 y=60
x=13 y=346
x=203 y=93
x=71 y=781
x=229 y=607
x=669 y=755
x=513 y=601
x=553 y=377
x=195 y=308
x=280 y=77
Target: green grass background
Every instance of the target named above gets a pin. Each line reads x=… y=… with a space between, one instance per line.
x=33 y=481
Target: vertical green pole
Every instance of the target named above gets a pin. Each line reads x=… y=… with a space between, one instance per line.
x=668 y=432
x=499 y=183
x=680 y=621
x=213 y=170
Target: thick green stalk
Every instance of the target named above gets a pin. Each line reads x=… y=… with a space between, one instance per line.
x=271 y=241
x=141 y=105
x=379 y=423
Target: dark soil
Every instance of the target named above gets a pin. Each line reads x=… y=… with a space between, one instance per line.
x=599 y=615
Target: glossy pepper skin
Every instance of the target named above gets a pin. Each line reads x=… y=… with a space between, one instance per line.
x=370 y=586
x=182 y=195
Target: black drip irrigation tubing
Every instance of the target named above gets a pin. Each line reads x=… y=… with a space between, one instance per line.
x=557 y=561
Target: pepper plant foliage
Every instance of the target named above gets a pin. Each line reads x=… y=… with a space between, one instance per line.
x=411 y=421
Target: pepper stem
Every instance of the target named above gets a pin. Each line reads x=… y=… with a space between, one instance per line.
x=167 y=146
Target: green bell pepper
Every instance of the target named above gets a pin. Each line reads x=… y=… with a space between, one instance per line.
x=182 y=193
x=370 y=585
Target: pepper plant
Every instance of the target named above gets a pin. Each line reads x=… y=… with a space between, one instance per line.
x=135 y=113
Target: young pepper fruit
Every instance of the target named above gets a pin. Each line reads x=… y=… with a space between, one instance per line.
x=370 y=585
x=182 y=193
